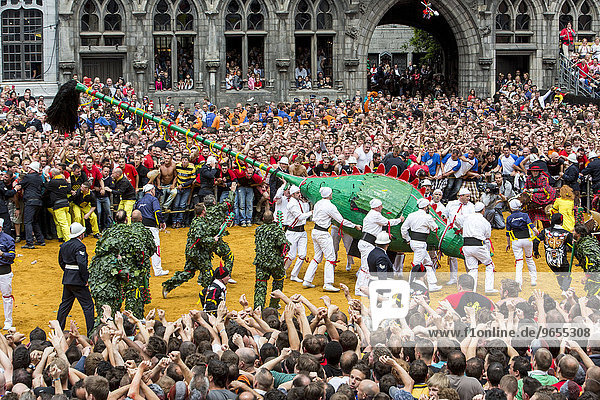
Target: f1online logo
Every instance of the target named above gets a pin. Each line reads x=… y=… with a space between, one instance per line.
x=389 y=299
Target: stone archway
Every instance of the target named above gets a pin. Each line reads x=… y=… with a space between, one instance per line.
x=455 y=29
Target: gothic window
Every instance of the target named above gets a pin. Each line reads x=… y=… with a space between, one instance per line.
x=584 y=21
x=565 y=15
x=303 y=16
x=174 y=44
x=522 y=19
x=503 y=17
x=22 y=44
x=244 y=43
x=314 y=69
x=101 y=23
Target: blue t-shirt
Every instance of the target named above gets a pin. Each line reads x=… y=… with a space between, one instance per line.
x=431 y=161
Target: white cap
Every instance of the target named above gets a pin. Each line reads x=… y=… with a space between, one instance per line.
x=351 y=160
x=592 y=154
x=284 y=160
x=76 y=230
x=436 y=191
x=148 y=187
x=382 y=238
x=35 y=166
x=422 y=203
x=479 y=206
x=325 y=191
x=426 y=182
x=572 y=158
x=514 y=204
x=463 y=191
x=294 y=189
x=374 y=203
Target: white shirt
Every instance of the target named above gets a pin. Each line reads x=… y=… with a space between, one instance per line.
x=455 y=209
x=374 y=222
x=476 y=226
x=281 y=202
x=325 y=211
x=418 y=221
x=296 y=215
x=440 y=208
x=363 y=158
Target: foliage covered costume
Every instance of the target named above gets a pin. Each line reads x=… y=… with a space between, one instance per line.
x=215 y=215
x=197 y=256
x=137 y=292
x=587 y=251
x=269 y=261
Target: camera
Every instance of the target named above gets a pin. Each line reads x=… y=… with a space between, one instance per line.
x=492 y=188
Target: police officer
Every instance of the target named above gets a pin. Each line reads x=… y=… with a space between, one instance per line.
x=593 y=170
x=476 y=233
x=323 y=212
x=152 y=219
x=378 y=260
x=59 y=190
x=73 y=259
x=295 y=218
x=415 y=230
x=32 y=198
x=373 y=223
x=7 y=258
x=216 y=292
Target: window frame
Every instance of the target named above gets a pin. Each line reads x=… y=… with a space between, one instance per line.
x=22 y=44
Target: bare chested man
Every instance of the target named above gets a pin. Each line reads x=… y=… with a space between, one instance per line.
x=167 y=176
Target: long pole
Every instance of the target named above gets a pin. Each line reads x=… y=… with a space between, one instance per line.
x=174 y=127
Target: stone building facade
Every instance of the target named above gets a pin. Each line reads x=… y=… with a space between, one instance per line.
x=138 y=39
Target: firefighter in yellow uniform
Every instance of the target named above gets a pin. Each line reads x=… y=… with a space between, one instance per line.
x=58 y=189
x=85 y=207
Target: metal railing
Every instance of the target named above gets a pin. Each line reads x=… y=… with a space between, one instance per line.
x=569 y=78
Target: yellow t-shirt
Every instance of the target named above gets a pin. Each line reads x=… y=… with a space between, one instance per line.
x=567 y=209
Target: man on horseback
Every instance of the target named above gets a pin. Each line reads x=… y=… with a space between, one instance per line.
x=540 y=194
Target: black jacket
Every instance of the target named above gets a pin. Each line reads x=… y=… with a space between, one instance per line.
x=379 y=263
x=124 y=189
x=58 y=190
x=32 y=189
x=571 y=177
x=207 y=177
x=5 y=194
x=593 y=169
x=73 y=253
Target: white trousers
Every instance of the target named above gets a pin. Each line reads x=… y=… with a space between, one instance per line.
x=7 y=297
x=421 y=256
x=298 y=247
x=156 y=261
x=475 y=255
x=363 y=276
x=453 y=264
x=346 y=239
x=399 y=262
x=524 y=248
x=323 y=244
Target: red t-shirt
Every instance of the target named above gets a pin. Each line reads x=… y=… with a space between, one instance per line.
x=130 y=172
x=94 y=174
x=149 y=161
x=460 y=300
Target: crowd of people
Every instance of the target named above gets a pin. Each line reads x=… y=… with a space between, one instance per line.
x=409 y=81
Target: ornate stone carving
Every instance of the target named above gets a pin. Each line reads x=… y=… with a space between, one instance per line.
x=362 y=7
x=140 y=66
x=282 y=64
x=485 y=62
x=548 y=63
x=485 y=30
x=67 y=65
x=212 y=65
x=352 y=32
x=351 y=63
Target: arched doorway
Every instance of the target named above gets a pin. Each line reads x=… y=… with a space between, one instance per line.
x=455 y=29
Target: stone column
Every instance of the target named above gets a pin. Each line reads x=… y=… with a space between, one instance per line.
x=351 y=65
x=282 y=85
x=212 y=66
x=140 y=54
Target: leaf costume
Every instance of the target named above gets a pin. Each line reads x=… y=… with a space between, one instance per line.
x=269 y=261
x=142 y=247
x=587 y=251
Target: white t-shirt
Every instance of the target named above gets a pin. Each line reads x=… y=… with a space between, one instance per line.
x=363 y=159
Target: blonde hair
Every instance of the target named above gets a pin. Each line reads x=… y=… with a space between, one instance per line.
x=438 y=380
x=566 y=192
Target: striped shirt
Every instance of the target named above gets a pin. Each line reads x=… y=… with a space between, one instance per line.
x=185 y=175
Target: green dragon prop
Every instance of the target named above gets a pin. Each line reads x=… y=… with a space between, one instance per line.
x=351 y=192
